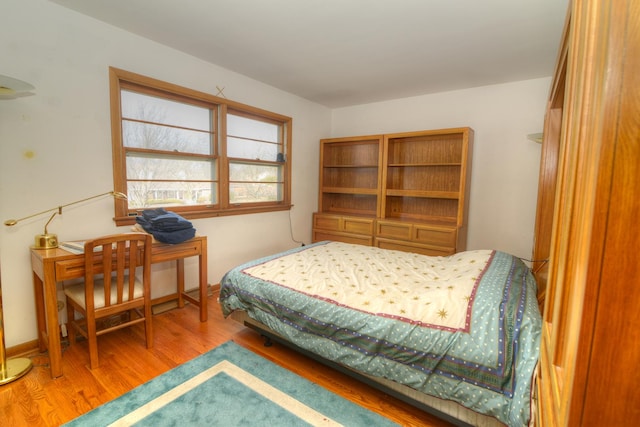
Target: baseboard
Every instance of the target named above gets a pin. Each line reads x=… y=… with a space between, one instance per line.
x=23 y=349
x=30 y=347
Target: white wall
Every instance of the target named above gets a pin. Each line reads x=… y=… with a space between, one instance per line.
x=504 y=177
x=55 y=146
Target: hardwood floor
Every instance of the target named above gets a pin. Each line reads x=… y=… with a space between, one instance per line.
x=179 y=336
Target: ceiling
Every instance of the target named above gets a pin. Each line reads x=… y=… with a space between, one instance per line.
x=347 y=52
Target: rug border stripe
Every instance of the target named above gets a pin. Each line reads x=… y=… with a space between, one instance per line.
x=276 y=396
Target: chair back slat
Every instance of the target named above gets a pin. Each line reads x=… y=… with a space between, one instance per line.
x=119 y=255
x=133 y=261
x=107 y=254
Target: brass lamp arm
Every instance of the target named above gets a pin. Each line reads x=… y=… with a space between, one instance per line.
x=59 y=212
x=58 y=209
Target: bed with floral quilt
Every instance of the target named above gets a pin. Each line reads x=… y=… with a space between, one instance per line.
x=463 y=328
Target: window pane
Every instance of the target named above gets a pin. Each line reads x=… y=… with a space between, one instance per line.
x=169 y=153
x=154 y=194
x=164 y=168
x=253 y=150
x=252 y=129
x=157 y=137
x=254 y=192
x=158 y=110
x=248 y=172
x=251 y=183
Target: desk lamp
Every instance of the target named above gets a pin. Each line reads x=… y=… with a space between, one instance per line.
x=15 y=368
x=49 y=240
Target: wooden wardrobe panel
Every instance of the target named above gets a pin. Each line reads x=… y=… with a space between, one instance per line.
x=588 y=374
x=612 y=395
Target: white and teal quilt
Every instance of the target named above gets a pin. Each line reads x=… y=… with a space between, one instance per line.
x=464 y=327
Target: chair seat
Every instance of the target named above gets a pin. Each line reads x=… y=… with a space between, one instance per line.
x=76 y=292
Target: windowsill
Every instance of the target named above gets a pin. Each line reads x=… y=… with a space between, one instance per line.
x=131 y=220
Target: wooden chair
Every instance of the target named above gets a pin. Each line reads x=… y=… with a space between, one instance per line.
x=110 y=288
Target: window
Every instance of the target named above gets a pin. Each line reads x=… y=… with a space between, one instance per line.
x=169 y=151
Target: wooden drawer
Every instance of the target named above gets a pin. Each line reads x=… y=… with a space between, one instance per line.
x=394 y=230
x=73 y=268
x=439 y=236
x=69 y=269
x=326 y=222
x=399 y=245
x=434 y=235
x=320 y=235
x=346 y=224
x=358 y=225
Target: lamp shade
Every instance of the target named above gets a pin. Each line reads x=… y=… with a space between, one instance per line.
x=12 y=88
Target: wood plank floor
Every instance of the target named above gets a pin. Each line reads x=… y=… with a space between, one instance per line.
x=38 y=400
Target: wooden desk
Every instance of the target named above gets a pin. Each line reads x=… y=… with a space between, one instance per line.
x=51 y=266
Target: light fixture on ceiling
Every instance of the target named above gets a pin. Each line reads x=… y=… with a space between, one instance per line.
x=11 y=88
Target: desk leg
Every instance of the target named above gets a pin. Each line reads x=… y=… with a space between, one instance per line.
x=202 y=262
x=48 y=318
x=180 y=280
x=40 y=311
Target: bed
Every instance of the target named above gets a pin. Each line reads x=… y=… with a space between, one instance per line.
x=446 y=332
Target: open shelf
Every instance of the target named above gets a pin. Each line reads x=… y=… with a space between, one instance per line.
x=414 y=185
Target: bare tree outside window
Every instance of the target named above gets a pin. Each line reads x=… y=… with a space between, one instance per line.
x=165 y=166
x=168 y=151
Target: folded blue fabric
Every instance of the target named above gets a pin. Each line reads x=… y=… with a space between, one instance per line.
x=161 y=219
x=165 y=226
x=174 y=237
x=149 y=214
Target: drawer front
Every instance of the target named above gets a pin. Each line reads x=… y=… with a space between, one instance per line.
x=320 y=235
x=358 y=226
x=69 y=269
x=326 y=222
x=168 y=252
x=413 y=247
x=74 y=268
x=435 y=236
x=394 y=230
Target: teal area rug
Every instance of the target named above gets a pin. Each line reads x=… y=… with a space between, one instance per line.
x=229 y=386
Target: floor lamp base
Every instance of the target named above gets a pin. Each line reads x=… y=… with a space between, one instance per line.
x=14 y=369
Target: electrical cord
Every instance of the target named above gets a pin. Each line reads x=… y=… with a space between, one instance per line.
x=291 y=229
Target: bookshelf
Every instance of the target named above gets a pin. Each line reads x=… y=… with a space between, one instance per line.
x=406 y=191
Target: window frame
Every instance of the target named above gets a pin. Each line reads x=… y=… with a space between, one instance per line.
x=121 y=79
